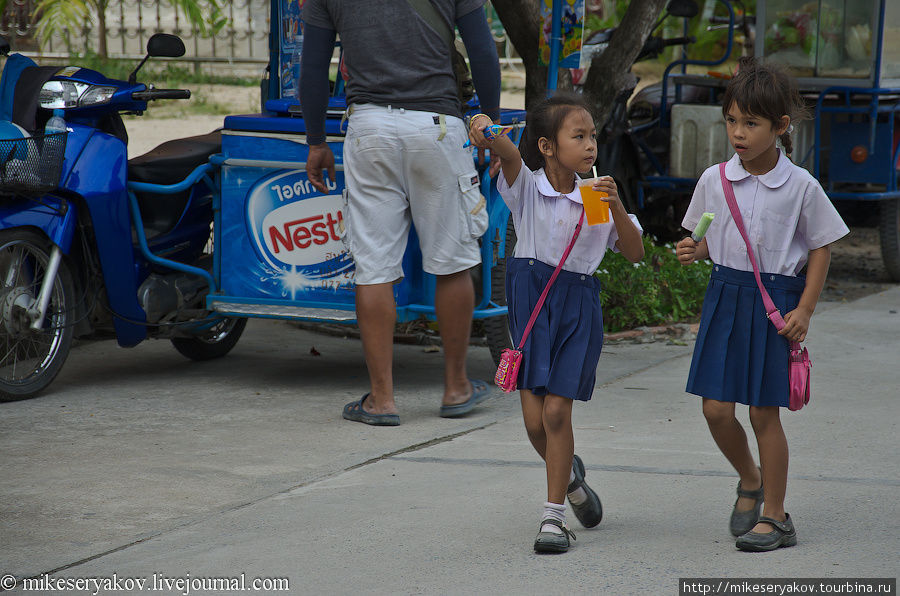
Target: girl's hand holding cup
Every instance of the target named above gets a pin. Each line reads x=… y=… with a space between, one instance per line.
x=598 y=195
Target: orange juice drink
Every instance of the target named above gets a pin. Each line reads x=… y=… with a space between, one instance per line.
x=595 y=208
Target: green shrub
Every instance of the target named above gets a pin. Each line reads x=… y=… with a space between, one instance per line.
x=656 y=291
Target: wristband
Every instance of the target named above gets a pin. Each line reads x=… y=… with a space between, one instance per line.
x=473 y=118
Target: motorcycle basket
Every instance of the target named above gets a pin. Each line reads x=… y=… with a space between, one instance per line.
x=31 y=166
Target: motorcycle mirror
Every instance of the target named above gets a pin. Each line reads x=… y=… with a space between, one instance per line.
x=165 y=45
x=159 y=44
x=683 y=8
x=4 y=46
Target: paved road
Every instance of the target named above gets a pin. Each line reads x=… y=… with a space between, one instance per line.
x=139 y=463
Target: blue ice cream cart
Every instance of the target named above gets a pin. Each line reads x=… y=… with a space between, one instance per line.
x=278 y=247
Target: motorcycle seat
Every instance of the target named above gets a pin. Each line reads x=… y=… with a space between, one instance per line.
x=169 y=163
x=20 y=88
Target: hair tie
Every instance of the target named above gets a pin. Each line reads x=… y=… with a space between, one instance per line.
x=790 y=128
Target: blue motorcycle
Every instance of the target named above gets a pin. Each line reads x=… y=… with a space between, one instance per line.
x=92 y=244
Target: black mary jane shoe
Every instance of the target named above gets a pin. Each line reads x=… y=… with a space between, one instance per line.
x=743 y=521
x=590 y=512
x=551 y=542
x=783 y=534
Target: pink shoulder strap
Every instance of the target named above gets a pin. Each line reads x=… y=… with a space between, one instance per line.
x=540 y=302
x=771 y=311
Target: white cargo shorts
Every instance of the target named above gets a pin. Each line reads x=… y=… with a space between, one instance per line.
x=398 y=170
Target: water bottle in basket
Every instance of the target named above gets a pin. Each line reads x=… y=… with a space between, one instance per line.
x=54 y=148
x=56 y=123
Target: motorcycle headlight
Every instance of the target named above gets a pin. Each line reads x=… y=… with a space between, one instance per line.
x=70 y=94
x=96 y=95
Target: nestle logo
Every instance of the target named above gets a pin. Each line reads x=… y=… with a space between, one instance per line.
x=304 y=231
x=301 y=233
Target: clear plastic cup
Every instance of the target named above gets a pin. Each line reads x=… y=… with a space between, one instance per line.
x=595 y=208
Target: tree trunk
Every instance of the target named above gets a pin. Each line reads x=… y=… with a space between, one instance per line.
x=610 y=72
x=102 y=49
x=522 y=21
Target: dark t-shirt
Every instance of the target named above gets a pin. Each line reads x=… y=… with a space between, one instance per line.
x=393 y=56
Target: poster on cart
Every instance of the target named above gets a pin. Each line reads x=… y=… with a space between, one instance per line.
x=572 y=30
x=291 y=45
x=284 y=240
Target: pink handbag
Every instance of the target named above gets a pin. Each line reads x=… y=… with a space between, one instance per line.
x=510 y=360
x=799 y=365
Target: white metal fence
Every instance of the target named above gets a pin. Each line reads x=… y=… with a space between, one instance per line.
x=239 y=46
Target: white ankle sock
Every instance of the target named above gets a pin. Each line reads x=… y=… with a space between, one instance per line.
x=553 y=511
x=577 y=496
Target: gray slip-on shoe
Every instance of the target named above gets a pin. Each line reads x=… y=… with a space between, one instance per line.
x=783 y=534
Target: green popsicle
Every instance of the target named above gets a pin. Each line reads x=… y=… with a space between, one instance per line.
x=702 y=226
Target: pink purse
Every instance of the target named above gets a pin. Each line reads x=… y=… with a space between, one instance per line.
x=510 y=360
x=798 y=371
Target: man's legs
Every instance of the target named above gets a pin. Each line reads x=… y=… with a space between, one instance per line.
x=454 y=301
x=376 y=314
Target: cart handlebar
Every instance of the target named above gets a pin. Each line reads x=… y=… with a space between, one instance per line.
x=679 y=41
x=747 y=20
x=655 y=45
x=153 y=94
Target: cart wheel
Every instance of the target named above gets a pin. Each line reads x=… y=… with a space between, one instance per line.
x=31 y=358
x=215 y=344
x=889 y=230
x=497 y=328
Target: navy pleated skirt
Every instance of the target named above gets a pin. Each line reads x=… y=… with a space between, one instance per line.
x=561 y=353
x=739 y=356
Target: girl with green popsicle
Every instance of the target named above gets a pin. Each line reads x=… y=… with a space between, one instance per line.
x=739 y=356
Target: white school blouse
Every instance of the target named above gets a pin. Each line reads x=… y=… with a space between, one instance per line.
x=785 y=211
x=545 y=221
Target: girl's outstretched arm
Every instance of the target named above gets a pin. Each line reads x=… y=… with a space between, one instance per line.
x=502 y=146
x=797 y=321
x=630 y=244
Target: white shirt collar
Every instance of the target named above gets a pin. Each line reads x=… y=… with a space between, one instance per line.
x=546 y=189
x=734 y=171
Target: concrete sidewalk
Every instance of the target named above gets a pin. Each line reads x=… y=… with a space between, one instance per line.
x=144 y=465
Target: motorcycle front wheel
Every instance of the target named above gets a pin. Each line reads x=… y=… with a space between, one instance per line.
x=31 y=358
x=215 y=343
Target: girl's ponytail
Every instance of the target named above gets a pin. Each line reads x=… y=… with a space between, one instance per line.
x=528 y=146
x=786 y=141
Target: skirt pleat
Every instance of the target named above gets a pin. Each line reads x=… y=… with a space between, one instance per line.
x=739 y=356
x=561 y=353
